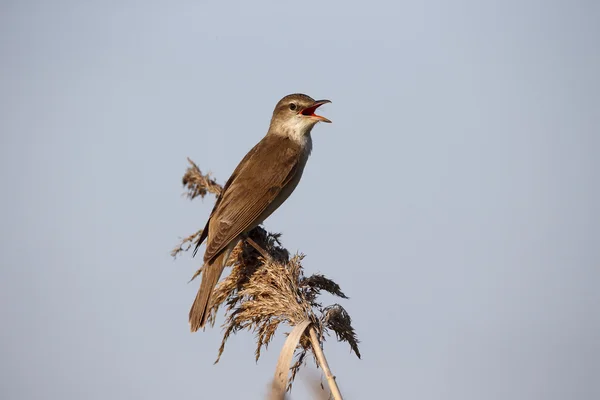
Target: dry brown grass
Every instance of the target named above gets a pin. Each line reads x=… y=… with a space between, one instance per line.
x=258 y=295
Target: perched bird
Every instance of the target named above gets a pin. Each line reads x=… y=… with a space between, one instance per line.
x=262 y=181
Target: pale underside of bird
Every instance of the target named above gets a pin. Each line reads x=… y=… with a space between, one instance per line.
x=261 y=182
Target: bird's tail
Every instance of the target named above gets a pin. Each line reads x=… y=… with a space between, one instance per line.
x=200 y=309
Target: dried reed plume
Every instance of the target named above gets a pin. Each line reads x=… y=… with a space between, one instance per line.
x=262 y=292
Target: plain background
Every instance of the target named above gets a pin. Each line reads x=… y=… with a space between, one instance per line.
x=454 y=198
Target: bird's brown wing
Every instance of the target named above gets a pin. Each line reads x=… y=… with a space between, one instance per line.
x=259 y=180
x=235 y=173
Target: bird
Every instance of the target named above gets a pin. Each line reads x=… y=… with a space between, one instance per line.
x=261 y=182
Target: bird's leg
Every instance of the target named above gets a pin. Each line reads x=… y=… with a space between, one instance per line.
x=262 y=251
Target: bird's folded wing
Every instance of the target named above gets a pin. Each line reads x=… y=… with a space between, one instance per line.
x=270 y=168
x=232 y=178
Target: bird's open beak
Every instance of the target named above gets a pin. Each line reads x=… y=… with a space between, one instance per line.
x=310 y=111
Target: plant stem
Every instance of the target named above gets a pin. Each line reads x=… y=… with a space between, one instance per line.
x=316 y=345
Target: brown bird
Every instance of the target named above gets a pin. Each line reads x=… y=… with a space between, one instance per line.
x=262 y=181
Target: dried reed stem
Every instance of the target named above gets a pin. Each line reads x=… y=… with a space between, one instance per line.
x=266 y=287
x=316 y=345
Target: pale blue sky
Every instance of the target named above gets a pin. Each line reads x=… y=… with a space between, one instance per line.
x=454 y=198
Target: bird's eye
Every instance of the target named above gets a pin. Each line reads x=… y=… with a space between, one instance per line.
x=293 y=106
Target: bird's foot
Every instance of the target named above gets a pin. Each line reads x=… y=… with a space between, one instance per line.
x=258 y=248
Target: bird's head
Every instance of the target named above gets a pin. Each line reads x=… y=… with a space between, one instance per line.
x=294 y=115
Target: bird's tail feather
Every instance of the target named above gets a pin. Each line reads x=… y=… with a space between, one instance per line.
x=200 y=309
